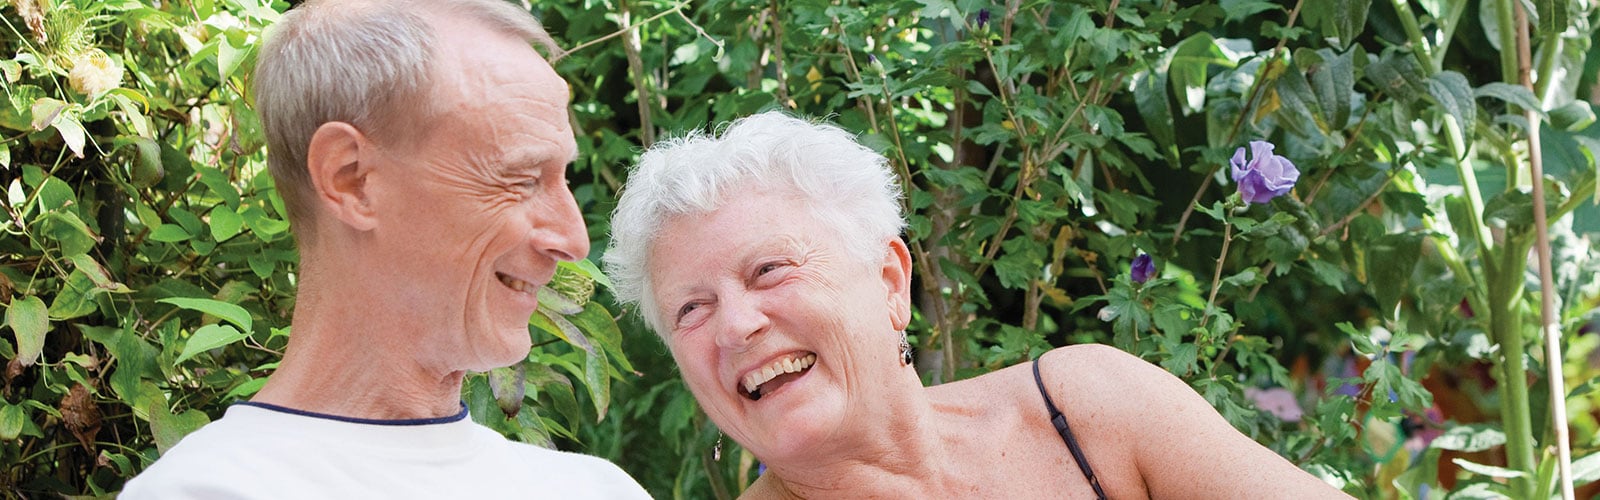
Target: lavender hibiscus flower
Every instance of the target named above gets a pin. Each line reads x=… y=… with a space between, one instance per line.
x=1265 y=176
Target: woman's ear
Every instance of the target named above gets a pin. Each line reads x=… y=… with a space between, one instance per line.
x=897 y=282
x=334 y=161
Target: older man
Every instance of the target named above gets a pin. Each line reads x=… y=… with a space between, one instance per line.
x=421 y=148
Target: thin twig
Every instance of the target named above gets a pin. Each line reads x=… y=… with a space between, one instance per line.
x=620 y=32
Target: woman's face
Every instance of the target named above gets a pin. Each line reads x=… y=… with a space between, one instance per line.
x=784 y=337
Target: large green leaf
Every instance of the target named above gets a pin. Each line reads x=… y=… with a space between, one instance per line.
x=1192 y=58
x=207 y=338
x=1333 y=80
x=30 y=322
x=227 y=312
x=1150 y=96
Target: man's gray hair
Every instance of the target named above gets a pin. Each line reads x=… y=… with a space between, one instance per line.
x=844 y=184
x=365 y=63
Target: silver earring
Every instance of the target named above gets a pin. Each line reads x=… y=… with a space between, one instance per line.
x=905 y=350
x=716 y=450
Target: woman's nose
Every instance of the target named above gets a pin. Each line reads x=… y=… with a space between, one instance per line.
x=743 y=319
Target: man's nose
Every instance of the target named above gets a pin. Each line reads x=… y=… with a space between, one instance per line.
x=561 y=233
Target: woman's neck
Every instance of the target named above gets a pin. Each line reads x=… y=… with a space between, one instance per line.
x=906 y=455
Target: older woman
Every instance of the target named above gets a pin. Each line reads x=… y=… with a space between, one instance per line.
x=769 y=261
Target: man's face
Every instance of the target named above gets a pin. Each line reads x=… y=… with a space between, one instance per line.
x=477 y=211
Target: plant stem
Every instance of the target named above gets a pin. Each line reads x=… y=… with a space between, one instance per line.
x=1216 y=276
x=1505 y=287
x=1419 y=45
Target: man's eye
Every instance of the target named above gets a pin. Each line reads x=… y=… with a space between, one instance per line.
x=766 y=268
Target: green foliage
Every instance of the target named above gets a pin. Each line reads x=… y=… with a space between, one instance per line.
x=148 y=272
x=1042 y=147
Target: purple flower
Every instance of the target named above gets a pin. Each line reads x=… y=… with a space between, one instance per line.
x=983 y=18
x=1142 y=268
x=1265 y=176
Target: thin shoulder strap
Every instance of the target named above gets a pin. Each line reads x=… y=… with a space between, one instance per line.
x=1060 y=421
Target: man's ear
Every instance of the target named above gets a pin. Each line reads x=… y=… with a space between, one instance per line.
x=897 y=282
x=334 y=161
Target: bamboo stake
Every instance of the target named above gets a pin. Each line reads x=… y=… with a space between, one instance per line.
x=1550 y=328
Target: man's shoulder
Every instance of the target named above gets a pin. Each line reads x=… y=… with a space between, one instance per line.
x=576 y=475
x=219 y=457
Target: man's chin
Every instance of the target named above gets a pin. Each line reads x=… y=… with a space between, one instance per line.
x=504 y=348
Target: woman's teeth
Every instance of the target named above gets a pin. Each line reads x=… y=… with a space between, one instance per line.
x=754 y=379
x=516 y=284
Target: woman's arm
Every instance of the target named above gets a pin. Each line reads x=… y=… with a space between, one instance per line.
x=1181 y=446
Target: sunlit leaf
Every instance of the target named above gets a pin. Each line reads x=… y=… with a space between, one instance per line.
x=30 y=323
x=209 y=337
x=227 y=312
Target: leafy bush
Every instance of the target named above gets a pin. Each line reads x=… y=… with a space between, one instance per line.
x=1361 y=324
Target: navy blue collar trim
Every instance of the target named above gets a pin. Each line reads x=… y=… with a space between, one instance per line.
x=369 y=421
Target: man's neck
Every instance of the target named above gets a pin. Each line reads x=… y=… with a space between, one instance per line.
x=349 y=356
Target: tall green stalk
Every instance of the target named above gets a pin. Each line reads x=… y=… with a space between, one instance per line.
x=1505 y=286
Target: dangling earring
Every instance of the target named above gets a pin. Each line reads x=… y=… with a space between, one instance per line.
x=905 y=350
x=716 y=450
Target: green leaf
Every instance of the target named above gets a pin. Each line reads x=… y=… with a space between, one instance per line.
x=1553 y=17
x=558 y=325
x=1398 y=74
x=602 y=329
x=1333 y=81
x=168 y=429
x=68 y=231
x=1183 y=359
x=587 y=268
x=169 y=233
x=1470 y=438
x=227 y=312
x=1512 y=94
x=1487 y=470
x=1150 y=96
x=30 y=322
x=1389 y=261
x=1237 y=10
x=76 y=297
x=1191 y=60
x=1586 y=470
x=1298 y=107
x=1339 y=20
x=71 y=132
x=507 y=384
x=1574 y=116
x=225 y=223
x=246 y=389
x=597 y=379
x=207 y=338
x=46 y=111
x=12 y=418
x=1454 y=95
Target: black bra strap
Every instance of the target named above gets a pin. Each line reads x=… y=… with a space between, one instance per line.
x=1060 y=421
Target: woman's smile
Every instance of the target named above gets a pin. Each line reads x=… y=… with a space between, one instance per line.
x=766 y=379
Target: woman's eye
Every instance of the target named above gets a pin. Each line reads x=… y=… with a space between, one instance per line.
x=766 y=268
x=686 y=309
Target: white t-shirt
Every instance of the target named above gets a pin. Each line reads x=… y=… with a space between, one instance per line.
x=261 y=451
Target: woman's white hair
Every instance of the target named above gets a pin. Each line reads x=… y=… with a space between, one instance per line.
x=844 y=184
x=362 y=62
